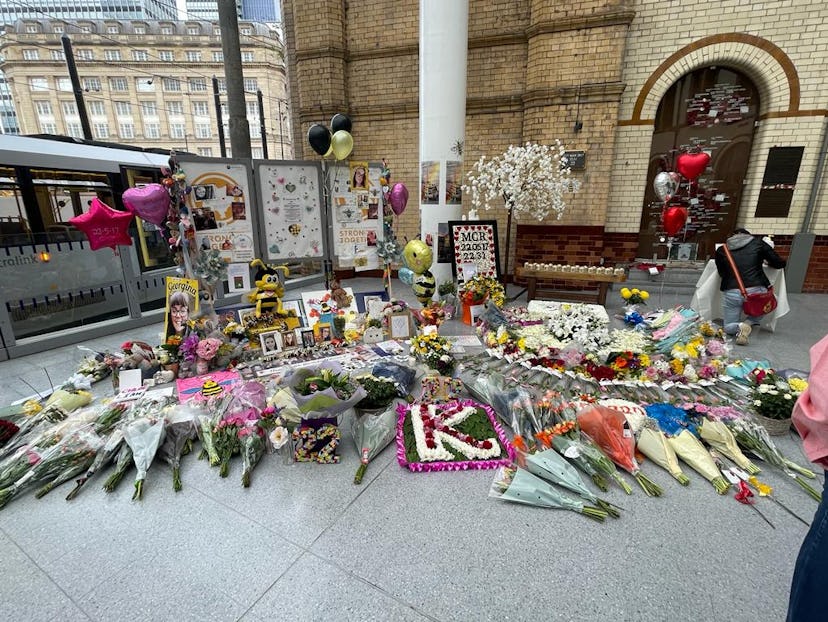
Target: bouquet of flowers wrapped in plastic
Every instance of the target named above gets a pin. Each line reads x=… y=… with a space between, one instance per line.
x=144 y=436
x=479 y=289
x=112 y=446
x=73 y=453
x=179 y=430
x=434 y=351
x=609 y=429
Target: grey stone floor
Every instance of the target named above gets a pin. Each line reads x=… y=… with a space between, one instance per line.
x=304 y=543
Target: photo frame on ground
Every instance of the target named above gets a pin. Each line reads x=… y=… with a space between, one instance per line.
x=308 y=338
x=271 y=342
x=400 y=325
x=289 y=340
x=363 y=298
x=322 y=332
x=474 y=242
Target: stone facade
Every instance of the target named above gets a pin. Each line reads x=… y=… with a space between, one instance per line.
x=149 y=83
x=536 y=67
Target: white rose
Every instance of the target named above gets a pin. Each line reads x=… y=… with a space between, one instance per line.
x=757 y=402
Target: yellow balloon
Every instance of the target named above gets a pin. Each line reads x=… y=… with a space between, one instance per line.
x=329 y=152
x=342 y=143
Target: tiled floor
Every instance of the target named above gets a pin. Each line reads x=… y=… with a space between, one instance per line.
x=305 y=543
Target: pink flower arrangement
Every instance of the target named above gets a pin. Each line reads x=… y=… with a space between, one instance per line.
x=715 y=347
x=207 y=348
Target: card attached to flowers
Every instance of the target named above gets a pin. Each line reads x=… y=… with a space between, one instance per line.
x=457 y=436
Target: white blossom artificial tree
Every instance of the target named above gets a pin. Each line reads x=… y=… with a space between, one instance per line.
x=530 y=179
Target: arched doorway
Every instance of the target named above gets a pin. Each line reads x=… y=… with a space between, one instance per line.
x=715 y=109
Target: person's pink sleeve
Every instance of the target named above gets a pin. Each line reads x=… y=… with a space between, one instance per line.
x=810 y=414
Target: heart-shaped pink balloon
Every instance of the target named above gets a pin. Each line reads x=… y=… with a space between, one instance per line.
x=399 y=198
x=151 y=203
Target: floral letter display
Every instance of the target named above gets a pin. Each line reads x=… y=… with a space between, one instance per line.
x=456 y=436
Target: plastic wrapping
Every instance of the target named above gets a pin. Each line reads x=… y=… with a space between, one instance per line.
x=179 y=429
x=105 y=455
x=372 y=431
x=144 y=436
x=252 y=448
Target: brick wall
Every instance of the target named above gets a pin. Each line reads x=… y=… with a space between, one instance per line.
x=534 y=67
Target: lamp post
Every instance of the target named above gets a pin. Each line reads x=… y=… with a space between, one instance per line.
x=281 y=133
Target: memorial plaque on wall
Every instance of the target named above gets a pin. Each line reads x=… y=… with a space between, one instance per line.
x=779 y=182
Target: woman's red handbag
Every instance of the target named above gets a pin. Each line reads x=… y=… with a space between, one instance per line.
x=757 y=304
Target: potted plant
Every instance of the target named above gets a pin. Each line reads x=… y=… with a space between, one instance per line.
x=773 y=399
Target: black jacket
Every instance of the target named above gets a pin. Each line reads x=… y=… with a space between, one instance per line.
x=749 y=253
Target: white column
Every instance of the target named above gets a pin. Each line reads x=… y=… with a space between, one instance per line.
x=443 y=46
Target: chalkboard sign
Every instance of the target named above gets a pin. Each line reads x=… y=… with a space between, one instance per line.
x=576 y=160
x=474 y=243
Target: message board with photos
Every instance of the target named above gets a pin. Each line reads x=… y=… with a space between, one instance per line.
x=356 y=206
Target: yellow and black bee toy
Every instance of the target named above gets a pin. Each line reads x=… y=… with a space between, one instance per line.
x=270 y=287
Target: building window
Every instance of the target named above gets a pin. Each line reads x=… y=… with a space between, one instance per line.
x=74 y=130
x=118 y=84
x=198 y=84
x=255 y=130
x=206 y=152
x=218 y=57
x=256 y=152
x=38 y=84
x=91 y=84
x=251 y=85
x=152 y=130
x=139 y=30
x=58 y=55
x=44 y=109
x=145 y=85
x=96 y=108
x=246 y=31
x=113 y=29
x=126 y=130
x=149 y=109
x=32 y=28
x=201 y=109
x=177 y=130
x=31 y=55
x=193 y=57
x=140 y=55
x=202 y=130
x=123 y=109
x=64 y=84
x=112 y=54
x=48 y=128
x=252 y=109
x=222 y=85
x=217 y=32
x=166 y=55
x=100 y=130
x=171 y=84
x=70 y=109
x=175 y=108
x=57 y=29
x=193 y=30
x=247 y=57
x=85 y=55
x=167 y=30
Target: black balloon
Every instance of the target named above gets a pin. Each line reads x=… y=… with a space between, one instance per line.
x=340 y=122
x=319 y=138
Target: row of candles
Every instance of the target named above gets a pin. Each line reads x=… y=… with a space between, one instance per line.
x=557 y=267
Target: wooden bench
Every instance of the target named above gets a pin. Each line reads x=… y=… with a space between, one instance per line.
x=600 y=297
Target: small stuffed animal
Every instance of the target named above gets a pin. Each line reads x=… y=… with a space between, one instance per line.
x=340 y=296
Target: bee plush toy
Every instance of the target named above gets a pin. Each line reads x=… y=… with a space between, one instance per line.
x=270 y=287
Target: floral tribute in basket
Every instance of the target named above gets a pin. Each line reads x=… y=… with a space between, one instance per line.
x=773 y=399
x=433 y=351
x=457 y=436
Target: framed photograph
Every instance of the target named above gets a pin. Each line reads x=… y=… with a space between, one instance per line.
x=474 y=242
x=322 y=332
x=296 y=305
x=289 y=340
x=243 y=313
x=400 y=325
x=271 y=342
x=363 y=298
x=308 y=338
x=476 y=312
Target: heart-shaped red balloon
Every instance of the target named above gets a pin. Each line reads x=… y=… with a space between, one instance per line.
x=673 y=219
x=691 y=165
x=152 y=202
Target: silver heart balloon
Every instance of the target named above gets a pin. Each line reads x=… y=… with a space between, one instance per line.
x=664 y=185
